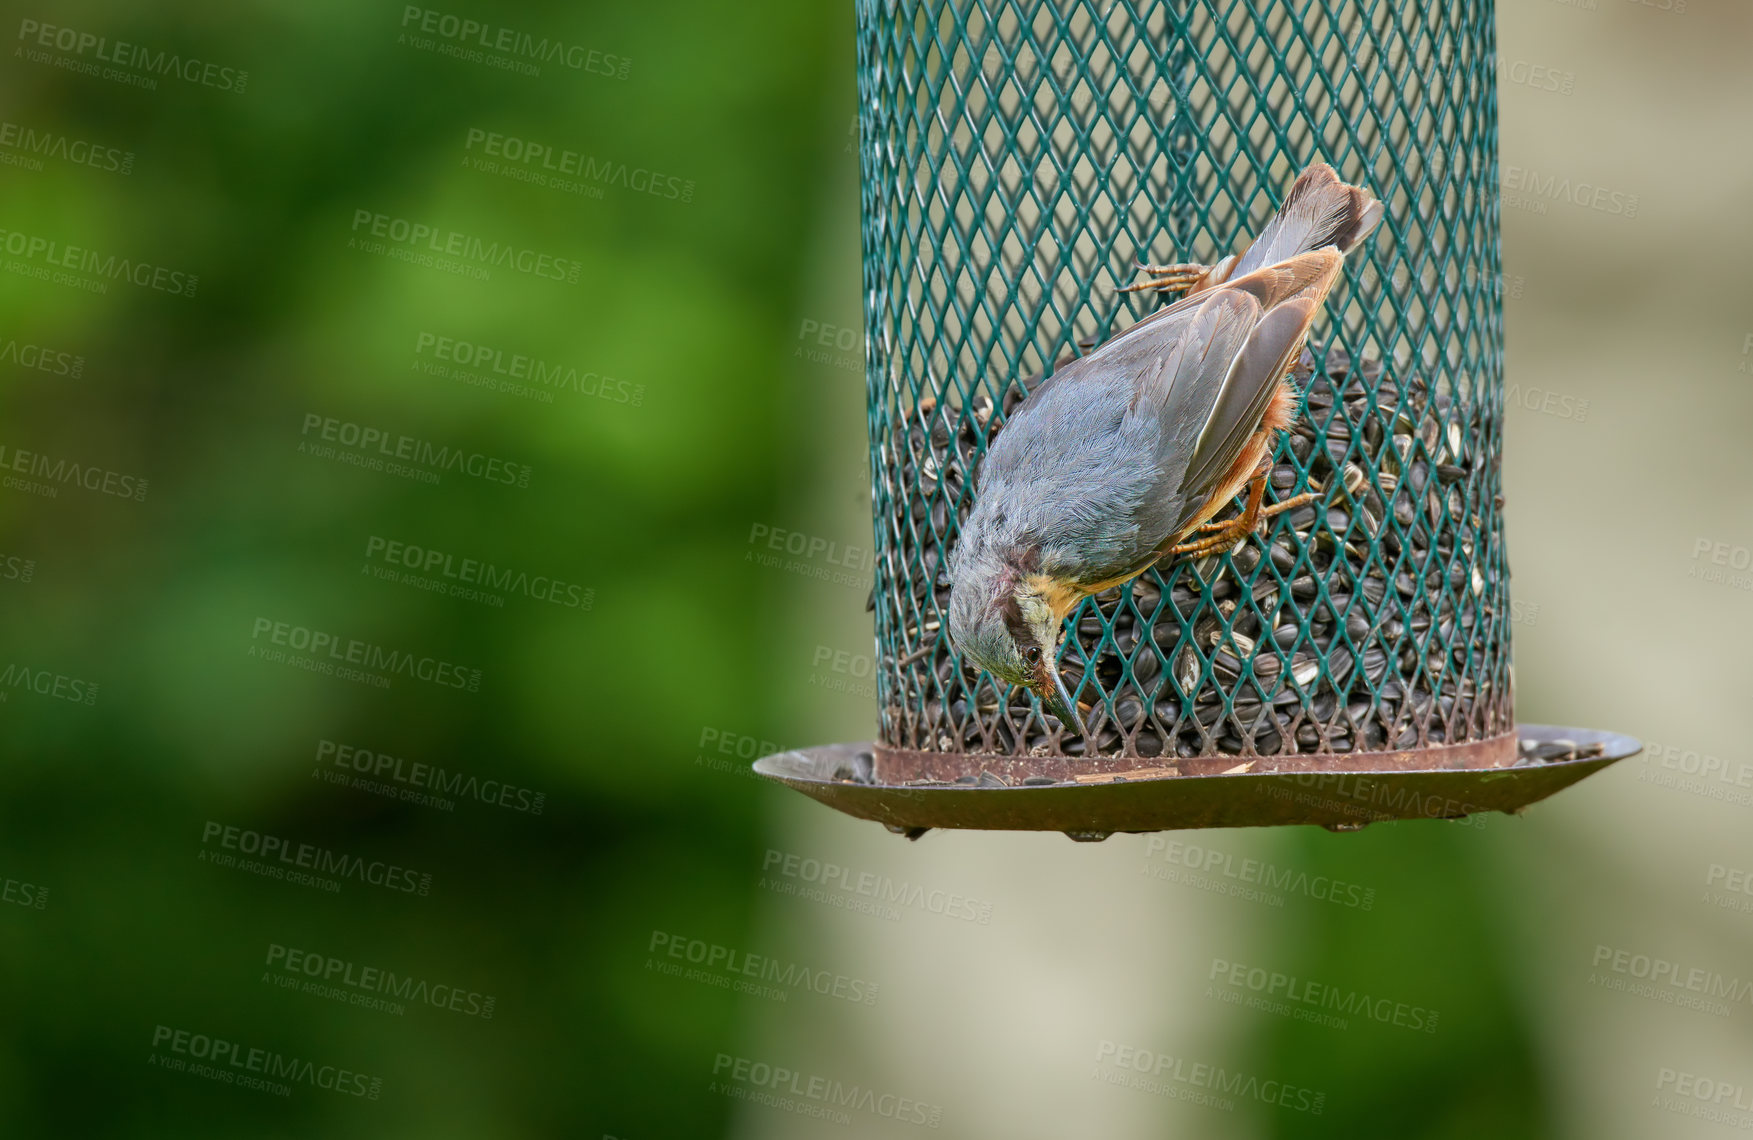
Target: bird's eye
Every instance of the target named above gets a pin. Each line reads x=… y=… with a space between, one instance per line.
x=1032 y=655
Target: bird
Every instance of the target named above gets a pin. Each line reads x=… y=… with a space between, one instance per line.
x=1120 y=459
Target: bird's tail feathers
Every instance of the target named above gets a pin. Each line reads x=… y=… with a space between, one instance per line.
x=1319 y=211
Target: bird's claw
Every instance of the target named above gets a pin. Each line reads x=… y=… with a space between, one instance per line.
x=1168 y=278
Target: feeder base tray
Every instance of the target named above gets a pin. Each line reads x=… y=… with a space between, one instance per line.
x=1095 y=805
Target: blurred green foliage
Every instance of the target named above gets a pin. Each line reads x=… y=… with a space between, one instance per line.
x=690 y=303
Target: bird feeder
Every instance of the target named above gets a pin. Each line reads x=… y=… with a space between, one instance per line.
x=1020 y=160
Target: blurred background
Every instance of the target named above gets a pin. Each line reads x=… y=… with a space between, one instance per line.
x=434 y=468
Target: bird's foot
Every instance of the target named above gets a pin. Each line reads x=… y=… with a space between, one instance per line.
x=1169 y=278
x=1230 y=533
x=1290 y=504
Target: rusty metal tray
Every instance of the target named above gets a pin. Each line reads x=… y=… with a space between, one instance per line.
x=1448 y=784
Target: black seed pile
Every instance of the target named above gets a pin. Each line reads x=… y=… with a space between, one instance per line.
x=1374 y=618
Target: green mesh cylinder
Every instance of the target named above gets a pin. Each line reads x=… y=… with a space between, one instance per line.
x=1019 y=159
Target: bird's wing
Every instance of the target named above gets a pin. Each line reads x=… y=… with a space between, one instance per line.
x=1288 y=295
x=1214 y=380
x=1131 y=352
x=1319 y=209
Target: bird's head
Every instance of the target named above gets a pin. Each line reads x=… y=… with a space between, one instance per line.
x=1007 y=621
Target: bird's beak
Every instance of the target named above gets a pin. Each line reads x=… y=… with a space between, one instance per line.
x=1051 y=689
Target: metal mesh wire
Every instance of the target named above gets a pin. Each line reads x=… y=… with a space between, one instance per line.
x=1019 y=158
